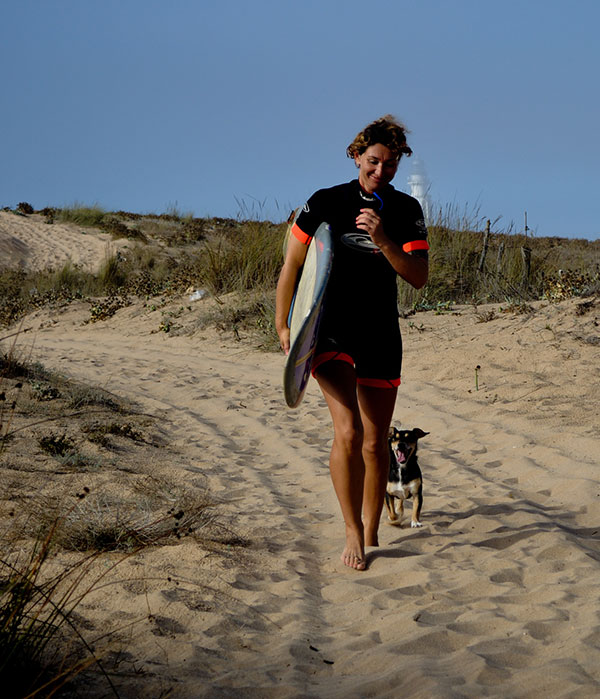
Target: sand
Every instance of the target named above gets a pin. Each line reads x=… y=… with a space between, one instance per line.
x=495 y=596
x=29 y=242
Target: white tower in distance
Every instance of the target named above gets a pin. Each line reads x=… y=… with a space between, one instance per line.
x=420 y=186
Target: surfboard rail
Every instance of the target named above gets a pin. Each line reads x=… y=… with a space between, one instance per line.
x=307 y=307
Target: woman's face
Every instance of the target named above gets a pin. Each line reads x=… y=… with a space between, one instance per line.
x=377 y=167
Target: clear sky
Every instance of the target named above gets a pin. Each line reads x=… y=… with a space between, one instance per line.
x=245 y=107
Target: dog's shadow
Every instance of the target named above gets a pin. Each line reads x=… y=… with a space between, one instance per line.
x=544 y=519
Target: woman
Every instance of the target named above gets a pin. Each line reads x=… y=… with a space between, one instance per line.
x=378 y=233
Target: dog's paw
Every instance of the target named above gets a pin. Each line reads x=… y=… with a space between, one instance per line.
x=416 y=524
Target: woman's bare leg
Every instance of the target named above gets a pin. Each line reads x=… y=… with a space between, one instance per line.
x=337 y=381
x=376 y=410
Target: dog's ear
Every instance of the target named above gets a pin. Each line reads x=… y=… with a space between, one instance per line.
x=419 y=433
x=392 y=431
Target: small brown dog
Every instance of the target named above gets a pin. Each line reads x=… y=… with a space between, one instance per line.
x=405 y=479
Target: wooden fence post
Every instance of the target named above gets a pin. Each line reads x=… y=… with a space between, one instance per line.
x=526 y=255
x=486 y=237
x=499 y=257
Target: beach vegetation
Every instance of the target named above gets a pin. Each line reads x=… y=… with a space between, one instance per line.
x=237 y=262
x=56 y=444
x=81 y=214
x=162 y=514
x=41 y=647
x=24 y=207
x=476 y=261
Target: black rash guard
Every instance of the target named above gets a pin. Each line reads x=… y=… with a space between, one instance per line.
x=360 y=316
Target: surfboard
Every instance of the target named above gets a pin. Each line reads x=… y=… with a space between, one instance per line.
x=305 y=314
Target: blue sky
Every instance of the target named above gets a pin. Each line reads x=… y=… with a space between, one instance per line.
x=232 y=108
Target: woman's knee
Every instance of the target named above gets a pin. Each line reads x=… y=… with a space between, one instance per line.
x=375 y=445
x=349 y=436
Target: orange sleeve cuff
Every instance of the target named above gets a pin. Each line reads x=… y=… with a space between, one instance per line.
x=297 y=232
x=415 y=245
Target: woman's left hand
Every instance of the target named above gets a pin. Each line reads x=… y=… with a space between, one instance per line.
x=369 y=221
x=412 y=268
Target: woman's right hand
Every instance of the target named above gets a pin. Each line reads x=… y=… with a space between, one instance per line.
x=284 y=339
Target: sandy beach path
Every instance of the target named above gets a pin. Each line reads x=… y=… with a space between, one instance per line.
x=495 y=596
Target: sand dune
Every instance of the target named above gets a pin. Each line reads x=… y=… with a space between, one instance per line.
x=495 y=596
x=27 y=241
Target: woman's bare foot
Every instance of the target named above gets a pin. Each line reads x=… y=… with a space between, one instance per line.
x=353 y=555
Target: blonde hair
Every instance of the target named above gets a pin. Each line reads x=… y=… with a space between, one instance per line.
x=387 y=131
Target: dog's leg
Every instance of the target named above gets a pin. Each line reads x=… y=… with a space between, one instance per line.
x=416 y=511
x=390 y=507
x=400 y=510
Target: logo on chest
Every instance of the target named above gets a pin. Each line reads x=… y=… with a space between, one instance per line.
x=357 y=240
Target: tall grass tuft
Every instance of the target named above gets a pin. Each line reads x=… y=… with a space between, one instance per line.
x=112 y=274
x=81 y=214
x=37 y=600
x=248 y=259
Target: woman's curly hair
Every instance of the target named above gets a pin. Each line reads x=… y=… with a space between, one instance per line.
x=388 y=131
